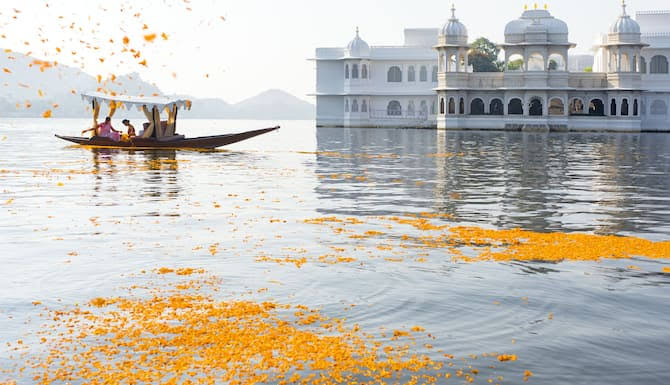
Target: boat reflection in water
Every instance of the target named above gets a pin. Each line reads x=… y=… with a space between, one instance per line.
x=152 y=175
x=604 y=183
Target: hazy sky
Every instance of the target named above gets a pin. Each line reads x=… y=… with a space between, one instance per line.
x=261 y=44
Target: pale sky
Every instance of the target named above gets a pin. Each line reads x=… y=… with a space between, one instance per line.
x=262 y=44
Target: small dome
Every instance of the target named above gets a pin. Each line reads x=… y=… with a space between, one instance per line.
x=624 y=24
x=453 y=27
x=358 y=47
x=453 y=32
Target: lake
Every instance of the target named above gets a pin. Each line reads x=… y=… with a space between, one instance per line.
x=351 y=222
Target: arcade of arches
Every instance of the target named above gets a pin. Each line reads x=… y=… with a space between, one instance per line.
x=535 y=106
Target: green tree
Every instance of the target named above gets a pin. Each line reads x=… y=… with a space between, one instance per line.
x=515 y=65
x=588 y=69
x=483 y=56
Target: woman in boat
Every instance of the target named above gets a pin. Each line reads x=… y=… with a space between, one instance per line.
x=106 y=130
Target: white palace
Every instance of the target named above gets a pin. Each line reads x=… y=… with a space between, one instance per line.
x=428 y=82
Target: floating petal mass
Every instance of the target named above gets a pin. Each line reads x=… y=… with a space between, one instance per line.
x=183 y=333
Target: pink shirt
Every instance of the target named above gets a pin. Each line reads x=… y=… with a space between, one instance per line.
x=105 y=130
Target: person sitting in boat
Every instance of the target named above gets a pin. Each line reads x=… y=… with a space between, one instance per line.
x=131 y=128
x=106 y=130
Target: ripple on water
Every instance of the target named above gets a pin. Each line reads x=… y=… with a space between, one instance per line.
x=571 y=322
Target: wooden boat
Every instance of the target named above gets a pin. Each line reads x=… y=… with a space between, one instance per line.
x=176 y=141
x=157 y=133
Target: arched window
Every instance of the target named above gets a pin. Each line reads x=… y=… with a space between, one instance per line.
x=394 y=108
x=643 y=65
x=433 y=107
x=452 y=106
x=346 y=71
x=613 y=107
x=477 y=107
x=625 y=63
x=354 y=105
x=461 y=106
x=658 y=65
x=451 y=65
x=442 y=106
x=354 y=71
x=515 y=63
x=636 y=108
x=535 y=62
x=596 y=108
x=434 y=74
x=410 y=108
x=364 y=106
x=624 y=107
x=423 y=74
x=346 y=105
x=556 y=107
x=424 y=108
x=535 y=107
x=364 y=71
x=658 y=107
x=394 y=75
x=556 y=63
x=411 y=74
x=496 y=107
x=576 y=107
x=515 y=107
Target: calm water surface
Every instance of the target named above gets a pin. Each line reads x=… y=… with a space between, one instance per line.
x=76 y=223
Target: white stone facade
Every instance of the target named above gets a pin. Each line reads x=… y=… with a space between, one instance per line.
x=362 y=86
x=427 y=82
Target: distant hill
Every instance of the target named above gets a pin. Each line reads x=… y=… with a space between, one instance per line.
x=209 y=109
x=271 y=104
x=274 y=104
x=21 y=88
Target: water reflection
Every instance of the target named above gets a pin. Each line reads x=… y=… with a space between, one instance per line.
x=79 y=224
x=605 y=183
x=151 y=174
x=104 y=169
x=162 y=177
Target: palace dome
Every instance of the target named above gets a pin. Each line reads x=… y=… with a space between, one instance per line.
x=624 y=24
x=454 y=32
x=358 y=48
x=534 y=25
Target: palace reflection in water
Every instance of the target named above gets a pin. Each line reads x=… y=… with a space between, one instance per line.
x=614 y=184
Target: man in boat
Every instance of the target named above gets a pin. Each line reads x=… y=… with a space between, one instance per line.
x=105 y=130
x=131 y=128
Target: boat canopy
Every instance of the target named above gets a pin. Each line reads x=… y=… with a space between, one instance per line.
x=150 y=106
x=138 y=101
